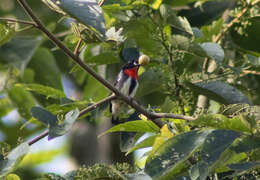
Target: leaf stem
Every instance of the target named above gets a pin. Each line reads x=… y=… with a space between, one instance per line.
x=18 y=21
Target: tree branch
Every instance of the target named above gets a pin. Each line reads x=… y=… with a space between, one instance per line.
x=150 y=115
x=77 y=48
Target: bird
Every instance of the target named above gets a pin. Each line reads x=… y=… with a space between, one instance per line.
x=127 y=83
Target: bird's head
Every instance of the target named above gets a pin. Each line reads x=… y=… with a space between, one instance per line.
x=131 y=68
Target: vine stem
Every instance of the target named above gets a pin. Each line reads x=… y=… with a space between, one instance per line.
x=130 y=101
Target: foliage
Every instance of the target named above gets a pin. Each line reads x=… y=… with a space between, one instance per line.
x=194 y=49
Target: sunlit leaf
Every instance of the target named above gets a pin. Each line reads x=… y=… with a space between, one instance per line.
x=219 y=91
x=11 y=161
x=45 y=68
x=6 y=33
x=23 y=100
x=169 y=159
x=87 y=12
x=219 y=121
x=43 y=90
x=134 y=126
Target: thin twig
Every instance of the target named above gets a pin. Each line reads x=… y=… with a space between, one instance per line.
x=94 y=106
x=101 y=3
x=18 y=21
x=77 y=48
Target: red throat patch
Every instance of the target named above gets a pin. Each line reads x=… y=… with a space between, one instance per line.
x=132 y=72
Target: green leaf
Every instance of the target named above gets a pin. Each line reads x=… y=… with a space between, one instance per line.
x=219 y=91
x=11 y=161
x=148 y=142
x=43 y=90
x=180 y=23
x=12 y=177
x=134 y=126
x=215 y=144
x=210 y=31
x=19 y=51
x=247 y=37
x=87 y=12
x=34 y=159
x=169 y=159
x=46 y=70
x=5 y=106
x=214 y=51
x=100 y=54
x=94 y=90
x=65 y=126
x=178 y=2
x=246 y=144
x=6 y=33
x=244 y=166
x=183 y=43
x=23 y=100
x=199 y=171
x=220 y=121
x=143 y=32
x=150 y=82
x=44 y=116
x=63 y=108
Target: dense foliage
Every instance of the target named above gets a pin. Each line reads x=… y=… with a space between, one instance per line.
x=204 y=73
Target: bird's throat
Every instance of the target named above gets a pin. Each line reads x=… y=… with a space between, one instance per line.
x=132 y=72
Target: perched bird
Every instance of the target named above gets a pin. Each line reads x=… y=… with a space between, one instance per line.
x=127 y=83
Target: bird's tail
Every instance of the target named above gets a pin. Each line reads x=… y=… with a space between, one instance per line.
x=115 y=116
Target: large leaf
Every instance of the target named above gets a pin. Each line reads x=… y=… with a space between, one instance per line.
x=10 y=163
x=46 y=70
x=169 y=159
x=219 y=91
x=246 y=144
x=183 y=43
x=143 y=31
x=180 y=23
x=23 y=100
x=19 y=50
x=43 y=90
x=44 y=116
x=215 y=144
x=134 y=126
x=213 y=50
x=87 y=12
x=218 y=121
